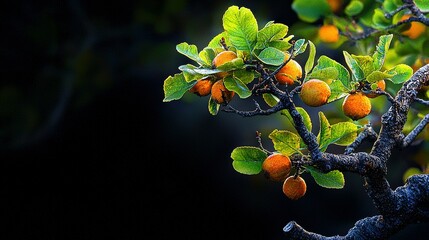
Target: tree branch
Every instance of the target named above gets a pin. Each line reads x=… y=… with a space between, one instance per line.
x=413 y=134
x=367 y=133
x=413 y=202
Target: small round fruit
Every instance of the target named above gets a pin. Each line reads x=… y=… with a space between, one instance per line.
x=202 y=87
x=222 y=58
x=416 y=29
x=335 y=5
x=329 y=33
x=289 y=73
x=315 y=92
x=220 y=94
x=294 y=187
x=356 y=106
x=277 y=167
x=381 y=85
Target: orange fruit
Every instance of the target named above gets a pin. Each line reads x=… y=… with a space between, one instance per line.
x=294 y=188
x=356 y=105
x=416 y=29
x=220 y=94
x=277 y=167
x=222 y=58
x=329 y=33
x=202 y=87
x=289 y=73
x=380 y=84
x=335 y=5
x=315 y=92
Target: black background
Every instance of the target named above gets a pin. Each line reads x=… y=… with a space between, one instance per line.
x=118 y=163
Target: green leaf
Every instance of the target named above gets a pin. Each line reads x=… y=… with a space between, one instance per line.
x=324 y=74
x=207 y=55
x=338 y=91
x=357 y=72
x=381 y=51
x=343 y=133
x=207 y=71
x=376 y=76
x=365 y=63
x=401 y=73
x=390 y=6
x=379 y=20
x=215 y=42
x=422 y=4
x=191 y=51
x=189 y=73
x=244 y=75
x=248 y=160
x=310 y=61
x=234 y=84
x=236 y=63
x=333 y=179
x=304 y=114
x=354 y=8
x=343 y=74
x=271 y=32
x=281 y=45
x=310 y=10
x=213 y=106
x=270 y=99
x=241 y=26
x=324 y=135
x=271 y=56
x=299 y=47
x=175 y=87
x=285 y=142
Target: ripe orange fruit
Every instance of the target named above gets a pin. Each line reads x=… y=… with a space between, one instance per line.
x=416 y=29
x=220 y=94
x=356 y=105
x=289 y=72
x=335 y=5
x=222 y=58
x=315 y=92
x=329 y=33
x=380 y=84
x=202 y=87
x=277 y=167
x=294 y=188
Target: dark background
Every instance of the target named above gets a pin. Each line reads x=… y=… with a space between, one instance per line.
x=90 y=151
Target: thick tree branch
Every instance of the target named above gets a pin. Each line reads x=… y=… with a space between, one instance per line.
x=412 y=207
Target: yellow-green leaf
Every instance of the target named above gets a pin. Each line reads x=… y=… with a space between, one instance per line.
x=241 y=26
x=285 y=142
x=324 y=135
x=248 y=160
x=175 y=87
x=333 y=179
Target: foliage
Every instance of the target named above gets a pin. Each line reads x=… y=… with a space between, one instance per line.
x=381 y=52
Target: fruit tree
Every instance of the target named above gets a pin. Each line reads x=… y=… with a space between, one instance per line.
x=377 y=90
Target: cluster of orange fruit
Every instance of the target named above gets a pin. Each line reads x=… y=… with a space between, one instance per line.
x=219 y=93
x=315 y=92
x=277 y=167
